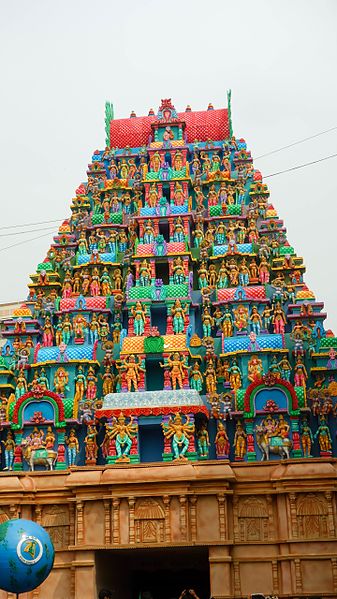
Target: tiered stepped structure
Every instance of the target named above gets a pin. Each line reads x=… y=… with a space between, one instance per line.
x=170 y=323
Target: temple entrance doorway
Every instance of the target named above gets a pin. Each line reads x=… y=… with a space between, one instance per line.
x=153 y=573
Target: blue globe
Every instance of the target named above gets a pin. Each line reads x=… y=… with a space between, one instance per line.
x=26 y=555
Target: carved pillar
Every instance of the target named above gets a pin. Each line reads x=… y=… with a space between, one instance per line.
x=14 y=511
x=236 y=529
x=274 y=566
x=331 y=525
x=237 y=581
x=293 y=519
x=107 y=521
x=38 y=514
x=298 y=576
x=183 y=517
x=79 y=521
x=36 y=593
x=193 y=516
x=72 y=582
x=270 y=516
x=167 y=501
x=116 y=531
x=222 y=510
x=131 y=502
x=72 y=524
x=334 y=573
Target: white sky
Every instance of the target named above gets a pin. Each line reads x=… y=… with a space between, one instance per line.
x=60 y=61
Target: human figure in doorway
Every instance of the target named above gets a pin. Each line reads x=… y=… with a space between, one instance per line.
x=105 y=594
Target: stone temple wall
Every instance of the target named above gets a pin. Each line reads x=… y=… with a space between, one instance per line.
x=268 y=527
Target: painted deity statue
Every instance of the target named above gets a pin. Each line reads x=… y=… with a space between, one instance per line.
x=279 y=319
x=90 y=443
x=222 y=280
x=241 y=317
x=178 y=195
x=61 y=379
x=91 y=391
x=255 y=320
x=255 y=369
x=221 y=441
x=180 y=432
x=9 y=450
x=285 y=368
x=72 y=447
x=80 y=325
x=207 y=322
x=80 y=381
x=144 y=274
x=139 y=315
x=178 y=313
x=67 y=329
x=196 y=378
x=120 y=435
x=210 y=378
x=106 y=283
x=177 y=370
x=324 y=437
x=235 y=376
x=48 y=333
x=49 y=440
x=307 y=438
x=178 y=271
x=203 y=441
x=132 y=371
x=21 y=384
x=240 y=441
x=300 y=373
x=227 y=323
x=108 y=380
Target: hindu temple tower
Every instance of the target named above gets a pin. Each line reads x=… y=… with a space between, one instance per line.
x=168 y=389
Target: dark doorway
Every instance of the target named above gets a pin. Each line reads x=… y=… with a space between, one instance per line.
x=164 y=230
x=153 y=573
x=162 y=272
x=151 y=442
x=154 y=374
x=158 y=318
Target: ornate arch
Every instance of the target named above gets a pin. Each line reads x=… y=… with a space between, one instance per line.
x=39 y=395
x=269 y=382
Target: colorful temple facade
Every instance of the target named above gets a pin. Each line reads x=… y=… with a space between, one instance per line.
x=168 y=389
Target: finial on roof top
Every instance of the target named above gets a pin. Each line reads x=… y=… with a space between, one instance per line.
x=133 y=114
x=151 y=112
x=229 y=110
x=210 y=106
x=109 y=115
x=188 y=108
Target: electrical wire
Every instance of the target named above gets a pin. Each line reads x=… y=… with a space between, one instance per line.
x=25 y=241
x=43 y=222
x=28 y=231
x=295 y=143
x=294 y=168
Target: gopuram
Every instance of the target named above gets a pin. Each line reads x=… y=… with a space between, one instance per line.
x=168 y=389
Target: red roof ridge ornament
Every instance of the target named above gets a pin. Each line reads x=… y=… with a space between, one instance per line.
x=167 y=111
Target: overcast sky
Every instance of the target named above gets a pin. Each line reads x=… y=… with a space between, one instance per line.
x=61 y=60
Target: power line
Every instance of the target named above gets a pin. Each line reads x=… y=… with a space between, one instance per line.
x=28 y=231
x=43 y=222
x=25 y=241
x=294 y=168
x=295 y=143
